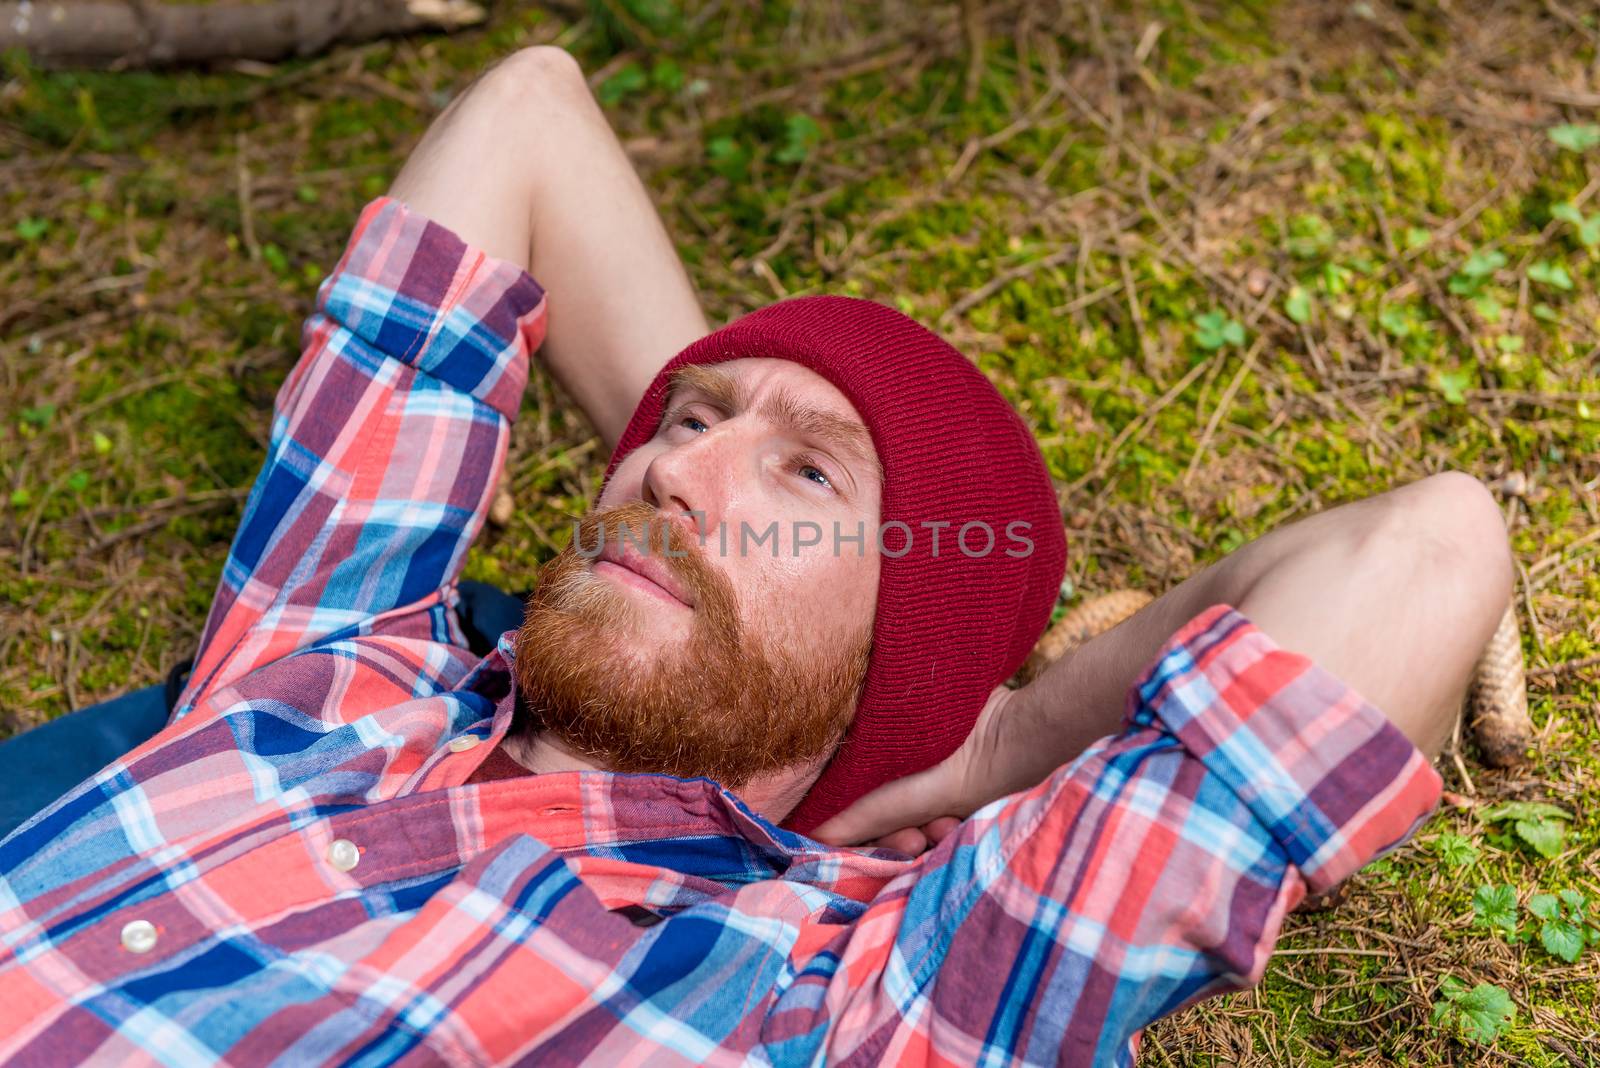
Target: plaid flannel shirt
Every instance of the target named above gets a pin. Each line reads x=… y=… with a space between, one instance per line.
x=297 y=871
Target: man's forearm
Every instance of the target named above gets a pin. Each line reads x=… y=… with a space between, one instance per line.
x=1395 y=596
x=524 y=166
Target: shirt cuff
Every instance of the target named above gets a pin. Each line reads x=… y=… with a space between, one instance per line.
x=1324 y=772
x=416 y=292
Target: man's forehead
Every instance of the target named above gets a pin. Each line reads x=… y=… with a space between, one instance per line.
x=746 y=375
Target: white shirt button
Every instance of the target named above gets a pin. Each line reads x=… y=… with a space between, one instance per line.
x=462 y=742
x=139 y=936
x=343 y=854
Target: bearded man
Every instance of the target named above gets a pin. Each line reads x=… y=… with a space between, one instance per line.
x=623 y=835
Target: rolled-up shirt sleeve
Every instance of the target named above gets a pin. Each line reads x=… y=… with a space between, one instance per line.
x=387 y=440
x=1155 y=870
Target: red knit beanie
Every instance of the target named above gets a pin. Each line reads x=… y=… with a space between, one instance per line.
x=949 y=627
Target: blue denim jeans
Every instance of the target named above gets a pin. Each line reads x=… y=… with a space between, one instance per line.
x=40 y=765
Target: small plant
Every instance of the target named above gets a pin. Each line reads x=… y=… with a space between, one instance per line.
x=1588 y=226
x=1477 y=269
x=1453 y=385
x=1565 y=926
x=1215 y=329
x=1536 y=824
x=625 y=82
x=1550 y=273
x=1397 y=321
x=1471 y=278
x=1575 y=137
x=800 y=133
x=1480 y=1015
x=1309 y=236
x=1456 y=850
x=728 y=157
x=1297 y=305
x=1496 y=907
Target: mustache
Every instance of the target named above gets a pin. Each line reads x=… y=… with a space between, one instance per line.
x=644 y=528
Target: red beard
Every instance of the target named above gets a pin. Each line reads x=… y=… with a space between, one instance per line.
x=721 y=703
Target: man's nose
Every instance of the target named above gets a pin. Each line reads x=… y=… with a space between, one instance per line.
x=693 y=479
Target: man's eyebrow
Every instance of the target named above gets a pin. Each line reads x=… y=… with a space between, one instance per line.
x=845 y=436
x=721 y=388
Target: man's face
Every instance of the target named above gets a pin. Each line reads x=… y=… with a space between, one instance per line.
x=745 y=654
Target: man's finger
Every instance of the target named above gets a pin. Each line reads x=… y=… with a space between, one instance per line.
x=908 y=802
x=910 y=841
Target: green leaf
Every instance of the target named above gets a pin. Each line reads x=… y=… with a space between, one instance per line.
x=1550 y=273
x=1542 y=826
x=1496 y=906
x=1509 y=342
x=1567 y=211
x=1574 y=901
x=1453 y=385
x=102 y=444
x=667 y=75
x=1488 y=307
x=32 y=228
x=1309 y=235
x=1483 y=264
x=1457 y=851
x=800 y=133
x=1588 y=226
x=1214 y=329
x=1416 y=237
x=1297 y=305
x=1480 y=1014
x=1562 y=938
x=78 y=481
x=1395 y=321
x=727 y=157
x=1523 y=810
x=1335 y=279
x=20 y=497
x=1545 y=836
x=629 y=79
x=1544 y=906
x=39 y=416
x=1575 y=138
x=1545 y=313
x=274 y=257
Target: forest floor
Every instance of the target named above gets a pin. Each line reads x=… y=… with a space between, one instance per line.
x=1234 y=263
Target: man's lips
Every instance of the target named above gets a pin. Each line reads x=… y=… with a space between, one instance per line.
x=647 y=573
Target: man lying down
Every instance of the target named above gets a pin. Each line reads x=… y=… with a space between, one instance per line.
x=636 y=832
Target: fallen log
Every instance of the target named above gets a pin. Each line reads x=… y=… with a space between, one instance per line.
x=122 y=34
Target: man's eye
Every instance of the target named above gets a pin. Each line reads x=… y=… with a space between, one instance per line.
x=698 y=426
x=811 y=473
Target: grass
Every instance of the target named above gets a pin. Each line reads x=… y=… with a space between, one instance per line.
x=1234 y=263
